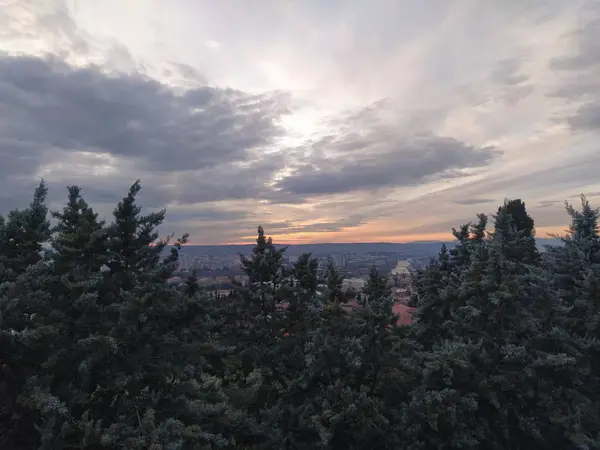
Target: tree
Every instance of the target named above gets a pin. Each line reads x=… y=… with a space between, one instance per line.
x=23 y=234
x=435 y=300
x=191 y=284
x=521 y=220
x=257 y=325
x=437 y=292
x=333 y=282
x=574 y=272
x=133 y=245
x=93 y=367
x=377 y=286
x=80 y=240
x=516 y=228
x=24 y=279
x=525 y=386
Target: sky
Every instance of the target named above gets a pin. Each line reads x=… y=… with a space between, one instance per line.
x=324 y=121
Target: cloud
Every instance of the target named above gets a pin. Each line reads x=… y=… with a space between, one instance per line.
x=334 y=121
x=54 y=105
x=103 y=129
x=474 y=201
x=548 y=203
x=379 y=158
x=581 y=71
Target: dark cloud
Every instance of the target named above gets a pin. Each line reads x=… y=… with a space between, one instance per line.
x=586 y=194
x=380 y=158
x=474 y=201
x=548 y=203
x=52 y=104
x=227 y=181
x=211 y=215
x=587 y=117
x=187 y=146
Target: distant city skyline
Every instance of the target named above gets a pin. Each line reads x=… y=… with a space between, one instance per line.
x=339 y=121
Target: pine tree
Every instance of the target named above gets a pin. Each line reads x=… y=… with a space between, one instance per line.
x=574 y=271
x=79 y=242
x=525 y=387
x=72 y=312
x=333 y=282
x=133 y=246
x=22 y=236
x=27 y=408
x=24 y=279
x=436 y=288
x=256 y=328
x=377 y=286
x=191 y=284
x=517 y=229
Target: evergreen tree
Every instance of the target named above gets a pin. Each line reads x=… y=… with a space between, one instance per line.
x=27 y=408
x=99 y=350
x=23 y=290
x=22 y=235
x=434 y=297
x=333 y=282
x=437 y=290
x=191 y=284
x=79 y=240
x=133 y=246
x=257 y=327
x=377 y=286
x=516 y=227
x=525 y=388
x=574 y=272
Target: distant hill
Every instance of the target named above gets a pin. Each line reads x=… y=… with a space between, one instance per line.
x=408 y=249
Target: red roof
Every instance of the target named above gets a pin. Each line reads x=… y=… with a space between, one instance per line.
x=405 y=312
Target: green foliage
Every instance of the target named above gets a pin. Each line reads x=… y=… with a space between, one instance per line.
x=333 y=283
x=22 y=235
x=98 y=350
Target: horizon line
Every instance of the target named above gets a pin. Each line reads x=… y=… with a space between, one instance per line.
x=434 y=241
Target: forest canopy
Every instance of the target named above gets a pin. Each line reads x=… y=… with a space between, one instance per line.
x=99 y=351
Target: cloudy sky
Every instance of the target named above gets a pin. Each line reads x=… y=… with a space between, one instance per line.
x=323 y=120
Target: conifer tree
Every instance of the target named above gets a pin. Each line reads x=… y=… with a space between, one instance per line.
x=79 y=241
x=22 y=235
x=24 y=281
x=574 y=271
x=333 y=282
x=73 y=313
x=525 y=387
x=376 y=287
x=437 y=291
x=352 y=362
x=514 y=224
x=257 y=328
x=191 y=284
